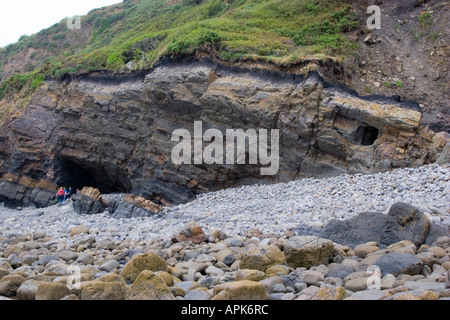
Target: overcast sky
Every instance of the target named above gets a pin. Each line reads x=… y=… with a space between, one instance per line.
x=19 y=17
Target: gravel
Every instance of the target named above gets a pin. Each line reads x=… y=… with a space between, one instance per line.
x=270 y=208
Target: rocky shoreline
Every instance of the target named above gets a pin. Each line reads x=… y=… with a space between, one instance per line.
x=251 y=243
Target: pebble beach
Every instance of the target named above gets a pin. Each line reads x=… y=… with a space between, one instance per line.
x=38 y=245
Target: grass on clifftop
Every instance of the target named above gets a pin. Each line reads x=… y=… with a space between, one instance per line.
x=141 y=32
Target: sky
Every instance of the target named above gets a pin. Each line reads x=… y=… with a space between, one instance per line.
x=27 y=17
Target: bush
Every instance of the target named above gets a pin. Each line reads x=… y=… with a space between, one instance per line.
x=195 y=39
x=36 y=83
x=114 y=59
x=214 y=8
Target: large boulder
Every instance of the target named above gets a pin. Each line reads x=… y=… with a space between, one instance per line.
x=88 y=201
x=131 y=206
x=403 y=222
x=262 y=258
x=139 y=263
x=242 y=290
x=307 y=251
x=99 y=290
x=150 y=286
x=397 y=263
x=325 y=293
x=409 y=223
x=28 y=289
x=9 y=284
x=51 y=291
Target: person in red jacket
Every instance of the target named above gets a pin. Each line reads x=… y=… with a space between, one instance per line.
x=60 y=195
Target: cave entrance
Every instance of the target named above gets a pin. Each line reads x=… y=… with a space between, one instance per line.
x=366 y=135
x=78 y=174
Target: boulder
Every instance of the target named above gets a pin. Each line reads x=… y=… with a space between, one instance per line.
x=139 y=263
x=10 y=284
x=312 y=277
x=338 y=270
x=67 y=255
x=143 y=203
x=28 y=289
x=325 y=293
x=191 y=232
x=132 y=206
x=242 y=290
x=397 y=263
x=88 y=201
x=149 y=286
x=99 y=290
x=52 y=291
x=428 y=258
x=249 y=274
x=415 y=295
x=79 y=230
x=278 y=270
x=307 y=251
x=110 y=265
x=410 y=224
x=197 y=294
x=403 y=222
x=357 y=284
x=262 y=257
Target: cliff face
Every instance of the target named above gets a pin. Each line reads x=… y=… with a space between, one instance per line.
x=114 y=131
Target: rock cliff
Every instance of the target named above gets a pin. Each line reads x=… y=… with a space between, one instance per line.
x=113 y=131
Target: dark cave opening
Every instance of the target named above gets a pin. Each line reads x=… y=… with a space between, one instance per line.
x=78 y=174
x=366 y=135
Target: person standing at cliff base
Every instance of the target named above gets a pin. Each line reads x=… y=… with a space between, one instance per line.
x=60 y=195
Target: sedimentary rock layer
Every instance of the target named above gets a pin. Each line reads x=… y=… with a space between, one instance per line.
x=113 y=131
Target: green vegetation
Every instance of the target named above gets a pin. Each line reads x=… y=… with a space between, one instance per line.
x=425 y=19
x=14 y=84
x=399 y=83
x=279 y=31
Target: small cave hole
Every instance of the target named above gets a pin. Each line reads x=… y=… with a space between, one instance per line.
x=366 y=135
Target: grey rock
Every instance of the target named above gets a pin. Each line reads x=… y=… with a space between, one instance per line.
x=372 y=294
x=397 y=263
x=28 y=289
x=288 y=296
x=425 y=285
x=85 y=258
x=197 y=295
x=291 y=280
x=110 y=265
x=275 y=296
x=403 y=222
x=186 y=285
x=209 y=282
x=83 y=204
x=29 y=258
x=279 y=288
x=270 y=283
x=338 y=271
x=212 y=270
x=44 y=259
x=67 y=255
